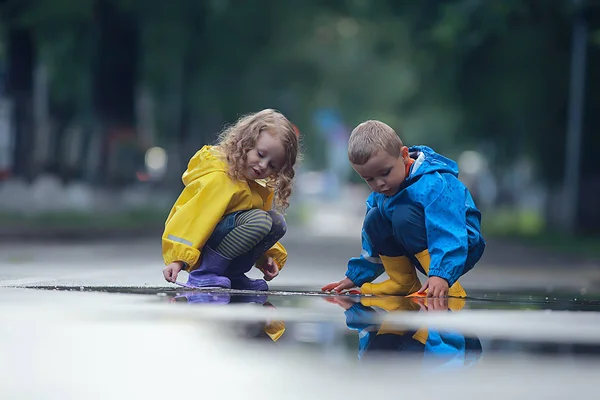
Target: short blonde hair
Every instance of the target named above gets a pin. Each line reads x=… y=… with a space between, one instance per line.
x=238 y=139
x=369 y=137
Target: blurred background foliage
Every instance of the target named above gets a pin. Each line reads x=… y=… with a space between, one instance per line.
x=94 y=84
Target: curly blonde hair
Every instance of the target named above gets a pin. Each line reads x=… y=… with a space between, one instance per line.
x=238 y=139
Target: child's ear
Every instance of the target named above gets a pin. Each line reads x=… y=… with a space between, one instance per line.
x=404 y=153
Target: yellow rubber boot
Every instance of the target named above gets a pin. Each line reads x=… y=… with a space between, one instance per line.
x=456 y=304
x=421 y=335
x=390 y=303
x=455 y=290
x=403 y=278
x=393 y=328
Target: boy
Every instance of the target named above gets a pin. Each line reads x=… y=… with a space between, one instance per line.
x=376 y=334
x=419 y=214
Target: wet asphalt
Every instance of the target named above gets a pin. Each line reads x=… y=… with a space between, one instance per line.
x=96 y=320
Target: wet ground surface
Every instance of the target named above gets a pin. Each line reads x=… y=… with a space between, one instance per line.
x=490 y=300
x=365 y=315
x=62 y=341
x=108 y=326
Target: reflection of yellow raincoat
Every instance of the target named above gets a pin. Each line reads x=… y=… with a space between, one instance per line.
x=210 y=194
x=275 y=330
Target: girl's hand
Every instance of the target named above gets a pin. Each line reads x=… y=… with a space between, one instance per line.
x=172 y=270
x=270 y=270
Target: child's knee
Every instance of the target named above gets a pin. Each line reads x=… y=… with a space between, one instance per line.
x=476 y=250
x=408 y=221
x=373 y=224
x=278 y=224
x=258 y=220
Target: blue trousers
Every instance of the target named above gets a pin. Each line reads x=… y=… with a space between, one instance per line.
x=406 y=235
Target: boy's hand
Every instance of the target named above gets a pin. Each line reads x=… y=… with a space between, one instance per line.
x=432 y=304
x=270 y=269
x=345 y=283
x=343 y=302
x=172 y=270
x=436 y=287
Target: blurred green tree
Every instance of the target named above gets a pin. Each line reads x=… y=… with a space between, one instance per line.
x=453 y=74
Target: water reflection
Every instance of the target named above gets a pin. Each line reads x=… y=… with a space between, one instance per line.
x=266 y=329
x=377 y=336
x=366 y=327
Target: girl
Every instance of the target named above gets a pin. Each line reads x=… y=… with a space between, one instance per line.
x=223 y=222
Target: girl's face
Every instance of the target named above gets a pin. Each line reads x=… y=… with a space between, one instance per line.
x=266 y=158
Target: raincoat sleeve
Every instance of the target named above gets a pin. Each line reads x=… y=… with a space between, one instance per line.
x=445 y=351
x=190 y=225
x=368 y=266
x=363 y=320
x=446 y=225
x=359 y=317
x=277 y=251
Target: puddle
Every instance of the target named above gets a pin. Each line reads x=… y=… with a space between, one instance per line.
x=497 y=300
x=366 y=328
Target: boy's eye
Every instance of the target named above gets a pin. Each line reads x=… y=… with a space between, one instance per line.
x=368 y=179
x=260 y=154
x=386 y=173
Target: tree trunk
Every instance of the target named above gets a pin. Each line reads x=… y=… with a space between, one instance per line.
x=21 y=61
x=115 y=71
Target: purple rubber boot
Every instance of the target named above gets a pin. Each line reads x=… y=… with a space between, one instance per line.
x=237 y=274
x=205 y=297
x=244 y=283
x=251 y=298
x=210 y=273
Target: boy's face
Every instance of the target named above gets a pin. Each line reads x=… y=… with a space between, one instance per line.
x=383 y=172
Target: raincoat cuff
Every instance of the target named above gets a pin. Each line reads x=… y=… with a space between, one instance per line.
x=442 y=274
x=354 y=276
x=188 y=256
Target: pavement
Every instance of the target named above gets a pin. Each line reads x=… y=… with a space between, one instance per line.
x=121 y=331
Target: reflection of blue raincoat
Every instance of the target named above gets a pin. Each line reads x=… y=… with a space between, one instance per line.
x=440 y=350
x=452 y=221
x=361 y=319
x=449 y=350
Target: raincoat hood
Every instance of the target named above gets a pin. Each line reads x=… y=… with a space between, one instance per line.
x=428 y=161
x=207 y=160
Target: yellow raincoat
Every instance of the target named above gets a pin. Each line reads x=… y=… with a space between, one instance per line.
x=208 y=196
